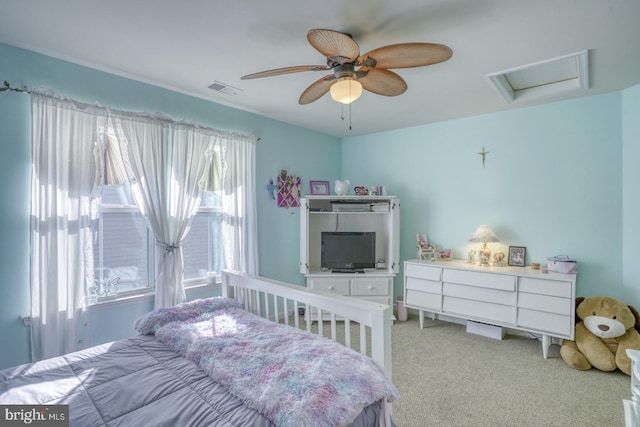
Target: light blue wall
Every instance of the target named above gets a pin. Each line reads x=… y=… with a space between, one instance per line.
x=305 y=153
x=631 y=192
x=15 y=171
x=552 y=183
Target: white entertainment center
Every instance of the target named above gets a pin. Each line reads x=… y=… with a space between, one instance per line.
x=518 y=298
x=351 y=214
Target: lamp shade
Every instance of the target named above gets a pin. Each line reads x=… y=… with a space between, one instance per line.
x=484 y=234
x=346 y=90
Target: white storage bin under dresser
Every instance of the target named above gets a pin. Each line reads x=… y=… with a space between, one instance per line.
x=513 y=297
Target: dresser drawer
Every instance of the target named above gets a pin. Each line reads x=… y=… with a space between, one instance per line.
x=423 y=285
x=480 y=279
x=423 y=271
x=370 y=287
x=545 y=303
x=556 y=288
x=423 y=300
x=480 y=294
x=337 y=286
x=479 y=310
x=548 y=323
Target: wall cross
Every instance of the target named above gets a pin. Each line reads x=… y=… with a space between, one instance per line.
x=484 y=155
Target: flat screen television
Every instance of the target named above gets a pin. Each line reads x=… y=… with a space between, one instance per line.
x=348 y=250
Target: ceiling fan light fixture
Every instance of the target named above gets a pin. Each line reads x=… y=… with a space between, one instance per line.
x=346 y=90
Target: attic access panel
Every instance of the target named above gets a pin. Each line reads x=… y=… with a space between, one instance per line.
x=543 y=79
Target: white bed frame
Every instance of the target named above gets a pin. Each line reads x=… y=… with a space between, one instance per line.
x=273 y=300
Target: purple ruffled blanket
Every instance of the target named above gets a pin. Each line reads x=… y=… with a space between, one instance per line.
x=291 y=376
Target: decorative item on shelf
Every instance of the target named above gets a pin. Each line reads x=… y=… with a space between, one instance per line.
x=535 y=266
x=499 y=259
x=471 y=256
x=484 y=234
x=288 y=190
x=377 y=190
x=361 y=190
x=561 y=264
x=425 y=249
x=319 y=188
x=517 y=255
x=443 y=254
x=341 y=188
x=381 y=264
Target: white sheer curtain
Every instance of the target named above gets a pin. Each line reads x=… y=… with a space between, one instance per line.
x=240 y=230
x=167 y=162
x=167 y=172
x=62 y=212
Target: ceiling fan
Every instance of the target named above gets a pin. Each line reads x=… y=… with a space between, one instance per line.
x=352 y=72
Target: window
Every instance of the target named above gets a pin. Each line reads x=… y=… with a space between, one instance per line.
x=202 y=247
x=123 y=251
x=124 y=258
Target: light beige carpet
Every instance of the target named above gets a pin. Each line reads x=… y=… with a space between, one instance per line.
x=447 y=377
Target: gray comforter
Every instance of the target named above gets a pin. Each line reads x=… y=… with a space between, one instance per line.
x=134 y=382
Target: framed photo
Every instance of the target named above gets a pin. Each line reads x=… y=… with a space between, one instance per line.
x=443 y=254
x=361 y=190
x=517 y=255
x=320 y=188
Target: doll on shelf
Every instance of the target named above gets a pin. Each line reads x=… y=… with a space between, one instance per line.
x=471 y=257
x=425 y=249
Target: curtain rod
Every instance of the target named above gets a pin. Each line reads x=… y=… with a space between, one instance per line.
x=7 y=86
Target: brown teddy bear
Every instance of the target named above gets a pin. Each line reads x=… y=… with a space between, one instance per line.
x=606 y=328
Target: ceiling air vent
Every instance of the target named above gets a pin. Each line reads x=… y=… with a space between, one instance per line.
x=224 y=88
x=543 y=79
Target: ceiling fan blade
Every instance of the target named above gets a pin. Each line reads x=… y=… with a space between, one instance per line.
x=317 y=89
x=285 y=70
x=406 y=55
x=336 y=46
x=382 y=82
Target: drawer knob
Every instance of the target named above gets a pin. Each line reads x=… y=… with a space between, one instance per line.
x=370 y=287
x=330 y=288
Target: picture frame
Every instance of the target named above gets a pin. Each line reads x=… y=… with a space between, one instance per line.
x=443 y=254
x=517 y=255
x=361 y=190
x=320 y=188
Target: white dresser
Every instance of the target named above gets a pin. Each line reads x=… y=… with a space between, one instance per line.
x=513 y=297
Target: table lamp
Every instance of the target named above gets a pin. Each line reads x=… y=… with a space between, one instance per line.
x=484 y=234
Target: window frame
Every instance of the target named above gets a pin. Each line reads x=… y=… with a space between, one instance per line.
x=192 y=283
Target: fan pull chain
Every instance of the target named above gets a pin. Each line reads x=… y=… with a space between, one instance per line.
x=342 y=113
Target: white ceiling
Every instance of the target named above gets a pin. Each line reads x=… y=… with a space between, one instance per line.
x=187 y=45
